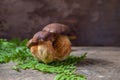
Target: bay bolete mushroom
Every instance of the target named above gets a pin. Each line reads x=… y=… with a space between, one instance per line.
x=51 y=44
x=58 y=28
x=39 y=36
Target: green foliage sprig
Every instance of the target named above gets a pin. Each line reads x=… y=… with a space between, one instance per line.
x=16 y=51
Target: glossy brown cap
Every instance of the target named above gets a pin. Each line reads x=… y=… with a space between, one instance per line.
x=41 y=35
x=59 y=29
x=56 y=28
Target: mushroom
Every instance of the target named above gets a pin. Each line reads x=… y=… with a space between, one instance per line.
x=51 y=44
x=58 y=28
x=39 y=36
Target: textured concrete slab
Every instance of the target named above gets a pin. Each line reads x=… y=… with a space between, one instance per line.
x=95 y=22
x=102 y=63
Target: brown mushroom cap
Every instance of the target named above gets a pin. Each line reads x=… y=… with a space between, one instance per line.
x=39 y=36
x=49 y=32
x=31 y=43
x=59 y=29
x=42 y=36
x=56 y=28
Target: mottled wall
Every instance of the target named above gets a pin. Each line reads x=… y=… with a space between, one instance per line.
x=96 y=22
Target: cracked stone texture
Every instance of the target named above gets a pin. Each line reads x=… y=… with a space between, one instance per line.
x=95 y=22
x=102 y=63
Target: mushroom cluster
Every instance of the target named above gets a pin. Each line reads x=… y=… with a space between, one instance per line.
x=52 y=43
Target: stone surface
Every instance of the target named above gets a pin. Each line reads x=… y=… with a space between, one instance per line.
x=102 y=63
x=95 y=22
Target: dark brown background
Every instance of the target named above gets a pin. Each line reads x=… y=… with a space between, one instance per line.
x=95 y=22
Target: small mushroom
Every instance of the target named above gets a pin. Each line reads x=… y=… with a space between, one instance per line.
x=51 y=44
x=40 y=36
x=56 y=28
x=59 y=29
